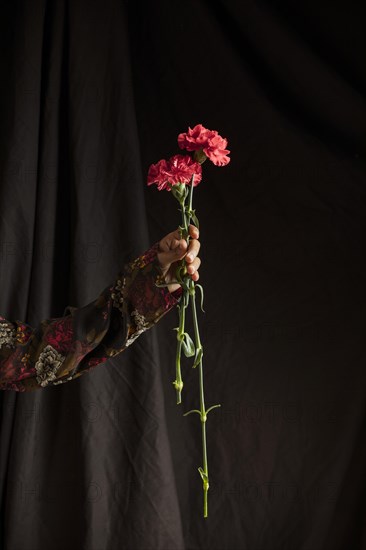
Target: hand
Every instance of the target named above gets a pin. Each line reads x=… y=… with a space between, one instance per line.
x=172 y=249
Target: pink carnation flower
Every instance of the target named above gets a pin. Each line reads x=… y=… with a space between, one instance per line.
x=196 y=138
x=178 y=169
x=208 y=141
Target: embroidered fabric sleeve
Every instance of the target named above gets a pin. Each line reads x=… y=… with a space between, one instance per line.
x=61 y=349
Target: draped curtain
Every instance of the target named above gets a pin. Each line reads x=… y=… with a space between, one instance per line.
x=94 y=92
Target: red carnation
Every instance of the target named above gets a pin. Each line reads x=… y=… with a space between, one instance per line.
x=210 y=142
x=195 y=138
x=178 y=169
x=157 y=174
x=216 y=150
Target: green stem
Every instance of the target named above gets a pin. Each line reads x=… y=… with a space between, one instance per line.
x=178 y=382
x=203 y=414
x=191 y=194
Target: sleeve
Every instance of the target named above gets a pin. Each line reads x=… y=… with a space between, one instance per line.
x=60 y=349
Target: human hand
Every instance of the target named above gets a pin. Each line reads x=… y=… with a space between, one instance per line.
x=172 y=249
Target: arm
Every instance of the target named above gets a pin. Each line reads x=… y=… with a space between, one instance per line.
x=62 y=348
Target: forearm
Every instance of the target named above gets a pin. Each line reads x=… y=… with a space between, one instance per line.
x=62 y=349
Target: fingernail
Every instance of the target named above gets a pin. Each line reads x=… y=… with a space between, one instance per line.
x=189 y=256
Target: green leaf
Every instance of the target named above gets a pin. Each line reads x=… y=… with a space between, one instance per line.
x=186 y=298
x=195 y=219
x=188 y=345
x=201 y=290
x=192 y=411
x=197 y=360
x=204 y=478
x=213 y=407
x=202 y=474
x=177 y=274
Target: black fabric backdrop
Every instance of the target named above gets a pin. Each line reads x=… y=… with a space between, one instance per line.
x=91 y=94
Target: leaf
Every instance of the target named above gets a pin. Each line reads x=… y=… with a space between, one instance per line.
x=195 y=219
x=204 y=478
x=213 y=407
x=197 y=360
x=188 y=345
x=201 y=291
x=177 y=274
x=186 y=299
x=202 y=474
x=192 y=411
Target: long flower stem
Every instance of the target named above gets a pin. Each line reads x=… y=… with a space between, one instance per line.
x=202 y=397
x=203 y=414
x=189 y=294
x=178 y=382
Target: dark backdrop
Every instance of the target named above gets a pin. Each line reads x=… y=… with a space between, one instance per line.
x=94 y=91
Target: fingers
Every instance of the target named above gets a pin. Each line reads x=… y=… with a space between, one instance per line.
x=174 y=245
x=193 y=267
x=193 y=231
x=191 y=257
x=180 y=245
x=193 y=249
x=173 y=249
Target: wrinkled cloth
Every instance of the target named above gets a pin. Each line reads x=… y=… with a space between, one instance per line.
x=61 y=349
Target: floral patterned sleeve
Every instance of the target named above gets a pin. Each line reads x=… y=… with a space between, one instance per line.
x=60 y=349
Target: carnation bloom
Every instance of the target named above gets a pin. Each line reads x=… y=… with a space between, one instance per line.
x=156 y=174
x=208 y=141
x=196 y=138
x=178 y=169
x=216 y=150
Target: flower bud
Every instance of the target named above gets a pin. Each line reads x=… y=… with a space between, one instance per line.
x=178 y=191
